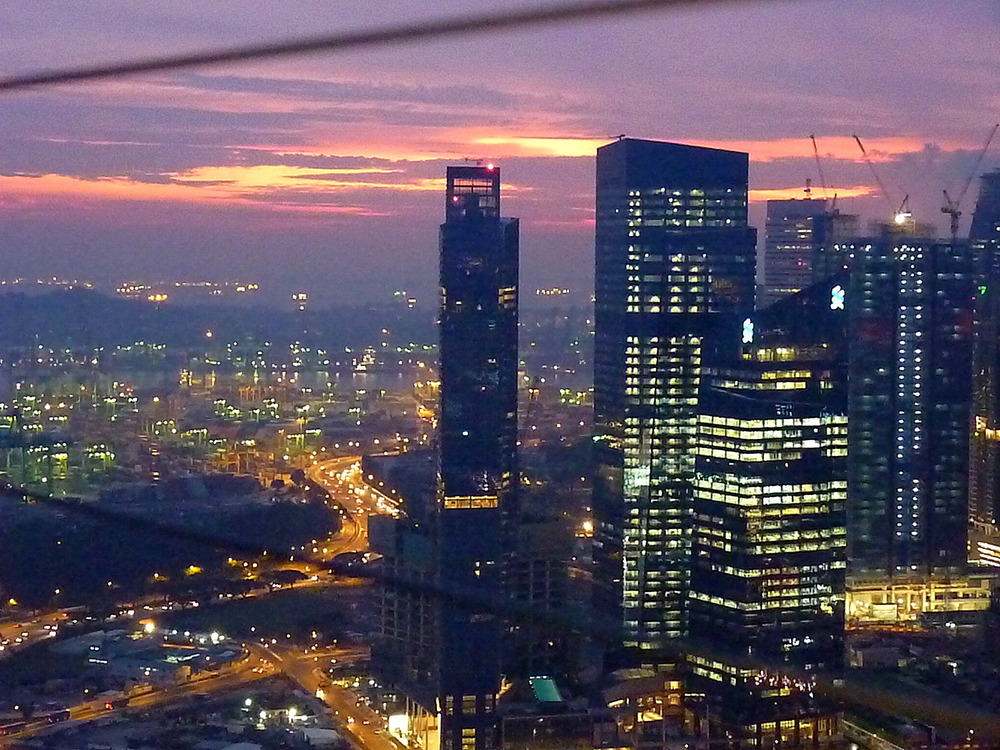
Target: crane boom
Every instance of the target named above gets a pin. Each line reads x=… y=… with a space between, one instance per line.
x=979 y=160
x=871 y=166
x=819 y=166
x=952 y=207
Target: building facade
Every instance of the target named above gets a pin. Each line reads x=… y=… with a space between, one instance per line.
x=770 y=488
x=984 y=447
x=910 y=398
x=674 y=256
x=799 y=238
x=442 y=626
x=769 y=526
x=477 y=446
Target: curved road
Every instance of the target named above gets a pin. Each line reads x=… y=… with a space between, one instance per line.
x=342 y=478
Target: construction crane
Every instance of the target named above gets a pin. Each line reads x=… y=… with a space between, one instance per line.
x=832 y=208
x=819 y=166
x=881 y=185
x=953 y=207
x=903 y=212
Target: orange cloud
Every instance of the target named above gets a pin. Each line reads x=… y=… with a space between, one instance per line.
x=22 y=190
x=109 y=188
x=837 y=147
x=574 y=224
x=776 y=194
x=262 y=186
x=540 y=146
x=249 y=179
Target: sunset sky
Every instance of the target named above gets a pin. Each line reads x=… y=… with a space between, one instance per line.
x=325 y=173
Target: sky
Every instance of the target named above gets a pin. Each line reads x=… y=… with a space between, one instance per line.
x=324 y=173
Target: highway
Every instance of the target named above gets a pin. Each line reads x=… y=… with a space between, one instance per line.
x=356 y=721
x=343 y=480
x=336 y=477
x=341 y=477
x=252 y=667
x=18 y=634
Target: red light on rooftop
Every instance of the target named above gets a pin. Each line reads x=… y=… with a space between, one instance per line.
x=491 y=167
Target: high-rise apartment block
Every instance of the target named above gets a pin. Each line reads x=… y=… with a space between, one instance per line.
x=911 y=318
x=984 y=459
x=674 y=257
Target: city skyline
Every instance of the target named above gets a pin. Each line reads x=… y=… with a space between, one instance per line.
x=533 y=564
x=328 y=164
x=288 y=455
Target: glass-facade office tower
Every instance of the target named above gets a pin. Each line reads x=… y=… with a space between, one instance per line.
x=436 y=644
x=798 y=239
x=910 y=397
x=768 y=537
x=984 y=458
x=477 y=444
x=770 y=488
x=674 y=257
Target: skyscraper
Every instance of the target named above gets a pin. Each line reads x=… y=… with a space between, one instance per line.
x=443 y=650
x=798 y=238
x=674 y=257
x=984 y=458
x=768 y=533
x=910 y=397
x=770 y=489
x=477 y=444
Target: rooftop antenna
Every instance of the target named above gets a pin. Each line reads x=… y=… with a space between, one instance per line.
x=619 y=137
x=952 y=207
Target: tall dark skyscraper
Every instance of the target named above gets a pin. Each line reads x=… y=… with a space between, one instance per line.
x=445 y=656
x=477 y=432
x=674 y=257
x=909 y=414
x=477 y=438
x=984 y=458
x=798 y=239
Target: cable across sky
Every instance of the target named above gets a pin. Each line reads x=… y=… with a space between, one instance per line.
x=487 y=23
